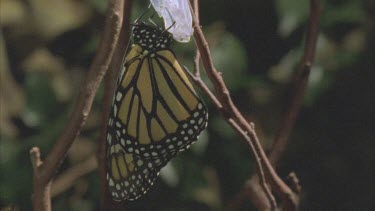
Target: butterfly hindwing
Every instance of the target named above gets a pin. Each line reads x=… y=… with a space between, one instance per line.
x=128 y=176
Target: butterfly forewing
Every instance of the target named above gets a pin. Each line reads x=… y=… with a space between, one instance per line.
x=156 y=113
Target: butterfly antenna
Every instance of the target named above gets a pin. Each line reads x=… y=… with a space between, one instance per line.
x=174 y=22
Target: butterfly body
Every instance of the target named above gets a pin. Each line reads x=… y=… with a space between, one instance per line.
x=156 y=113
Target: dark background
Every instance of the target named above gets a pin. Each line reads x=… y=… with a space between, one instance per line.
x=47 y=46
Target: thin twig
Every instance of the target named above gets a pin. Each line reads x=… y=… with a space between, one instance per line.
x=230 y=111
x=99 y=66
x=196 y=64
x=200 y=83
x=41 y=192
x=197 y=54
x=289 y=118
x=260 y=170
x=300 y=81
x=109 y=89
x=196 y=10
x=36 y=162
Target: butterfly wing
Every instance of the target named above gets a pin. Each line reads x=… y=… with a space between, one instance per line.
x=155 y=114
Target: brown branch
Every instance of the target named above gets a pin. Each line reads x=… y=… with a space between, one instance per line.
x=36 y=162
x=41 y=196
x=196 y=10
x=289 y=118
x=259 y=166
x=196 y=64
x=199 y=82
x=269 y=197
x=300 y=81
x=197 y=54
x=109 y=89
x=46 y=171
x=225 y=105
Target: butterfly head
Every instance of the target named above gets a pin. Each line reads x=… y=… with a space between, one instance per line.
x=151 y=38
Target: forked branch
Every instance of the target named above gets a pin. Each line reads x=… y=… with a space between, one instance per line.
x=288 y=120
x=224 y=104
x=46 y=170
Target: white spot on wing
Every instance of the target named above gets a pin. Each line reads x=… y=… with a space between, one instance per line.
x=118 y=96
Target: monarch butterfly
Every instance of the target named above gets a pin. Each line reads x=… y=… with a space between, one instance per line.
x=155 y=114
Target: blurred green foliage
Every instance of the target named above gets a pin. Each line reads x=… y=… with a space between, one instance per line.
x=46 y=48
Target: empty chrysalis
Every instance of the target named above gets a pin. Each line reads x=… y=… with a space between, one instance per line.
x=176 y=13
